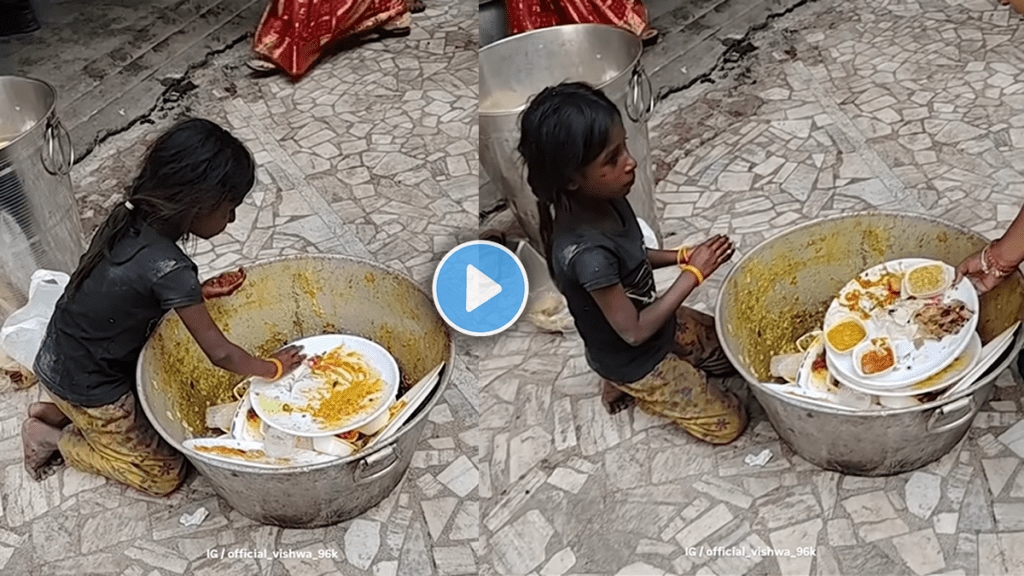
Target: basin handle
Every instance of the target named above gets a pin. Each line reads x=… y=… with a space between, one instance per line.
x=967 y=402
x=376 y=465
x=58 y=141
x=640 y=102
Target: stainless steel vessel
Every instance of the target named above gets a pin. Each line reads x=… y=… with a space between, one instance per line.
x=283 y=300
x=39 y=223
x=780 y=290
x=516 y=68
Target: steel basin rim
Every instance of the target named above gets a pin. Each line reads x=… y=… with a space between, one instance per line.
x=499 y=114
x=51 y=111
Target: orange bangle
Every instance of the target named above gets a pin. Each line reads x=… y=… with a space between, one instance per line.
x=682 y=255
x=693 y=270
x=280 y=368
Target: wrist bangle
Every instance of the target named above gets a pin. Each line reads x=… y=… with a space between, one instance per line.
x=280 y=368
x=682 y=256
x=693 y=270
x=994 y=267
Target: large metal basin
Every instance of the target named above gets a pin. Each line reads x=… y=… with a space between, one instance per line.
x=780 y=290
x=283 y=300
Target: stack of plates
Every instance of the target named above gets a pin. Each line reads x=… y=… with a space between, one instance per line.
x=927 y=368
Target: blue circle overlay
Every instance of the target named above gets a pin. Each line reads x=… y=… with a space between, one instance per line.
x=480 y=288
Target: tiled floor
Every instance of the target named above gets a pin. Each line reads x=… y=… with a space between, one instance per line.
x=396 y=183
x=908 y=105
x=895 y=104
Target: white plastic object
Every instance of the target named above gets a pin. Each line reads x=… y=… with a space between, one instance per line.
x=650 y=238
x=219 y=417
x=23 y=331
x=333 y=445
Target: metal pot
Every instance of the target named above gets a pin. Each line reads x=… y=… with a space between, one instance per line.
x=283 y=300
x=781 y=289
x=516 y=68
x=39 y=223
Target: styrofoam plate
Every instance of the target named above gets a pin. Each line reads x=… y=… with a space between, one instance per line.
x=251 y=453
x=990 y=353
x=414 y=398
x=944 y=379
x=922 y=363
x=296 y=389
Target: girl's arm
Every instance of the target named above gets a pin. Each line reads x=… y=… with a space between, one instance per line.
x=226 y=355
x=662 y=258
x=637 y=327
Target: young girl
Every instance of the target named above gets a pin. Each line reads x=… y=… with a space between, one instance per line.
x=646 y=348
x=134 y=272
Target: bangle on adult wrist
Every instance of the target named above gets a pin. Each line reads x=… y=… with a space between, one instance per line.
x=991 y=266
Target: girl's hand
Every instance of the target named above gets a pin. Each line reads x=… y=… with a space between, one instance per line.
x=224 y=285
x=972 y=269
x=290 y=358
x=711 y=254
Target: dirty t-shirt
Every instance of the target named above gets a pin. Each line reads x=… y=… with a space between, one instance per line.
x=94 y=338
x=585 y=260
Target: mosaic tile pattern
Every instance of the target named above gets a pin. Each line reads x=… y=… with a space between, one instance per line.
x=396 y=184
x=906 y=105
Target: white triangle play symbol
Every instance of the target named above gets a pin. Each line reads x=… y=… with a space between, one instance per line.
x=479 y=288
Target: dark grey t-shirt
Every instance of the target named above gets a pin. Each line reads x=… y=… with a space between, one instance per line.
x=585 y=260
x=94 y=338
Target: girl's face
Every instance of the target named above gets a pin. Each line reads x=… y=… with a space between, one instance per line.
x=612 y=174
x=208 y=225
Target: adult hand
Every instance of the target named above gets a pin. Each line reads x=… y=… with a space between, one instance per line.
x=972 y=269
x=290 y=358
x=711 y=254
x=224 y=285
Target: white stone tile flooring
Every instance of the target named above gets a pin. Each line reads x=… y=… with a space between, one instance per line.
x=395 y=183
x=909 y=105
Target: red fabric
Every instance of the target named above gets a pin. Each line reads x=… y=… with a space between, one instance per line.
x=293 y=33
x=526 y=15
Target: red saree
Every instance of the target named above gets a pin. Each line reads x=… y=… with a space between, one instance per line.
x=526 y=15
x=293 y=33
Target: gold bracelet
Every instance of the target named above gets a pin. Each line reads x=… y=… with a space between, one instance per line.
x=693 y=270
x=280 y=368
x=682 y=255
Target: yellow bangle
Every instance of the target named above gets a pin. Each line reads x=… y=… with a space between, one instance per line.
x=682 y=255
x=693 y=270
x=280 y=368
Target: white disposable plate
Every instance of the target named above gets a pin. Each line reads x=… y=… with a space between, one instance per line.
x=923 y=363
x=414 y=399
x=809 y=395
x=251 y=453
x=295 y=388
x=989 y=354
x=243 y=427
x=943 y=379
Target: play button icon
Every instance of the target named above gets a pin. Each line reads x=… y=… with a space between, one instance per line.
x=480 y=288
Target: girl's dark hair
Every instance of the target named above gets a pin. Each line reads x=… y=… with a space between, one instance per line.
x=563 y=130
x=190 y=170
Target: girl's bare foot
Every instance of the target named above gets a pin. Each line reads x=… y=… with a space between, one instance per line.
x=39 y=441
x=614 y=400
x=49 y=413
x=415 y=6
